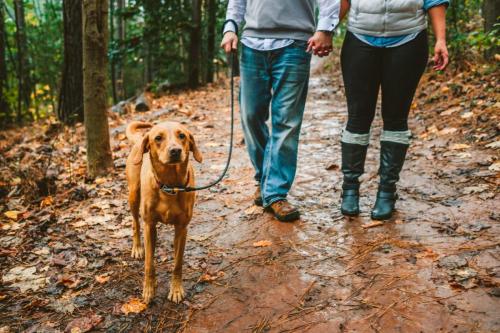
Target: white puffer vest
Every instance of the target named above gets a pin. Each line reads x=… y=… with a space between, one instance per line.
x=386 y=18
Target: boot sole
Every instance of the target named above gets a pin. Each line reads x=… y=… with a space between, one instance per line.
x=383 y=217
x=286 y=218
x=352 y=214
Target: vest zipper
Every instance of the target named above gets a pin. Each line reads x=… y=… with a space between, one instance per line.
x=385 y=16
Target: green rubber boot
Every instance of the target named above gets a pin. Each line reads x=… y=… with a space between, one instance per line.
x=392 y=158
x=353 y=166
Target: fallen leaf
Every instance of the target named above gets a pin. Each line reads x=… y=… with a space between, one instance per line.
x=47 y=201
x=494 y=167
x=333 y=167
x=450 y=111
x=102 y=278
x=134 y=305
x=427 y=253
x=25 y=278
x=475 y=189
x=447 y=130
x=262 y=243
x=207 y=277
x=100 y=180
x=458 y=146
x=83 y=324
x=373 y=224
x=69 y=281
x=13 y=214
x=467 y=115
x=494 y=145
x=253 y=210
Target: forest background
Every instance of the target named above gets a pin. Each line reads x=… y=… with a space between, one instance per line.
x=153 y=45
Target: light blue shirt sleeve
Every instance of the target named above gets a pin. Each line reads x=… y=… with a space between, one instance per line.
x=329 y=11
x=428 y=4
x=235 y=11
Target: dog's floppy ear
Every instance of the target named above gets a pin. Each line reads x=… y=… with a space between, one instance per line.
x=140 y=149
x=192 y=146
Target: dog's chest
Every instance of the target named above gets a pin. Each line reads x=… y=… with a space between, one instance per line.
x=170 y=211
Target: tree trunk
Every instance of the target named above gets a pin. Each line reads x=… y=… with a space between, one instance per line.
x=152 y=21
x=212 y=26
x=195 y=45
x=4 y=105
x=95 y=47
x=70 y=108
x=491 y=13
x=121 y=42
x=23 y=70
x=113 y=55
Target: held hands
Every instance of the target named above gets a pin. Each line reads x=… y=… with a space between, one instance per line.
x=320 y=44
x=229 y=42
x=441 y=58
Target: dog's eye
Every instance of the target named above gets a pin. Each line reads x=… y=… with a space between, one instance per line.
x=158 y=138
x=182 y=135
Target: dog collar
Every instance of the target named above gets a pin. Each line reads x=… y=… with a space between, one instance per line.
x=171 y=190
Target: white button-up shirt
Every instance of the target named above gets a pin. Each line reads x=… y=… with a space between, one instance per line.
x=329 y=11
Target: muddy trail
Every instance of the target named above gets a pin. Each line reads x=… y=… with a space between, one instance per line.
x=435 y=267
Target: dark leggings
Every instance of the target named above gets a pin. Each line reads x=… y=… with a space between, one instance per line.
x=397 y=70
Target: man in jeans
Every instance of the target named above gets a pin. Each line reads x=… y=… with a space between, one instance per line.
x=278 y=39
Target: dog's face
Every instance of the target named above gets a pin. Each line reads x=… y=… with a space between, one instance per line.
x=168 y=143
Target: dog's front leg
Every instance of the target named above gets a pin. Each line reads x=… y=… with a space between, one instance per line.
x=176 y=293
x=149 y=288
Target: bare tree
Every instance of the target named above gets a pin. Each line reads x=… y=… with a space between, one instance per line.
x=4 y=106
x=195 y=45
x=95 y=47
x=121 y=31
x=491 y=15
x=23 y=69
x=70 y=108
x=211 y=27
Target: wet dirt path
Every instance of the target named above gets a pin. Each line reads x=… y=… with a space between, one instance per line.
x=434 y=267
x=419 y=272
x=328 y=273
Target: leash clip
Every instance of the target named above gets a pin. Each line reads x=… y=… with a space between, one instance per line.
x=170 y=190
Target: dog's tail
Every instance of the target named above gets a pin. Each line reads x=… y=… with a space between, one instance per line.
x=133 y=135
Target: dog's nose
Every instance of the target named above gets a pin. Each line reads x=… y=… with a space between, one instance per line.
x=175 y=152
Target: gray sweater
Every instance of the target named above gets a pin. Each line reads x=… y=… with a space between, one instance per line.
x=293 y=19
x=386 y=18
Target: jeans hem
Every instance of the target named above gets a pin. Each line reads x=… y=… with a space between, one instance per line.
x=269 y=202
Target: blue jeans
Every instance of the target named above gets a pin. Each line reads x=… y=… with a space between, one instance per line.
x=275 y=81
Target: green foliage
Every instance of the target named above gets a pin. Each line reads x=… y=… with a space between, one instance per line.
x=156 y=46
x=466 y=37
x=44 y=35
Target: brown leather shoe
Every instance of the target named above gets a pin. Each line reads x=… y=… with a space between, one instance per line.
x=257 y=197
x=284 y=211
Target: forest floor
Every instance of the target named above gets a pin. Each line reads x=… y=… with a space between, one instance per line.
x=65 y=260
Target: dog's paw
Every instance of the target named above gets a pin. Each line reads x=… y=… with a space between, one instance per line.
x=149 y=291
x=176 y=293
x=137 y=252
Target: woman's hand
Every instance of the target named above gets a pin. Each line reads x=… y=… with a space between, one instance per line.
x=438 y=20
x=441 y=58
x=320 y=44
x=229 y=42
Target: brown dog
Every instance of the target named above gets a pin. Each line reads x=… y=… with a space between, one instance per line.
x=161 y=156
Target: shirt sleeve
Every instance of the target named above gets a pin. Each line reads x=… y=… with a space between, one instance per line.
x=329 y=11
x=428 y=4
x=236 y=12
